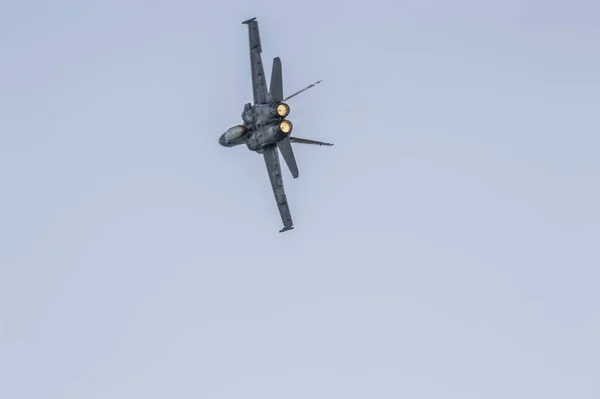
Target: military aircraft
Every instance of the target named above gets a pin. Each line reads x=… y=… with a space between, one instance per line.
x=265 y=129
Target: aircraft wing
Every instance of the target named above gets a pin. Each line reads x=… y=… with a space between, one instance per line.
x=259 y=86
x=271 y=156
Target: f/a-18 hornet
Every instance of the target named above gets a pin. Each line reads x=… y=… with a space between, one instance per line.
x=266 y=129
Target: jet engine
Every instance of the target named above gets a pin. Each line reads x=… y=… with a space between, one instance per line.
x=233 y=135
x=282 y=110
x=276 y=130
x=285 y=126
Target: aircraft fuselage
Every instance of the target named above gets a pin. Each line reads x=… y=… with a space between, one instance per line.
x=264 y=125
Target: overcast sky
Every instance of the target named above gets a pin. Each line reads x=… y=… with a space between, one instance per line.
x=447 y=246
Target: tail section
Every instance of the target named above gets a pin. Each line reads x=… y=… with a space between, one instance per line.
x=285 y=148
x=276 y=87
x=276 y=94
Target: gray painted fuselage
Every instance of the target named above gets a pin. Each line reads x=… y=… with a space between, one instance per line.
x=265 y=129
x=261 y=128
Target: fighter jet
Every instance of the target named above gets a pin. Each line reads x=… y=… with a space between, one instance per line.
x=266 y=129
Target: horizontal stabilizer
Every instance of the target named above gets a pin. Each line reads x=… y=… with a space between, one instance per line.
x=306 y=141
x=302 y=91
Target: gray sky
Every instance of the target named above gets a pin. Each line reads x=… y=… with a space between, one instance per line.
x=446 y=247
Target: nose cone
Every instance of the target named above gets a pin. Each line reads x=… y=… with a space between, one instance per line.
x=222 y=141
x=233 y=136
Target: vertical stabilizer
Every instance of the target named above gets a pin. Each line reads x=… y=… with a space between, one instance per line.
x=285 y=148
x=276 y=87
